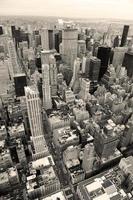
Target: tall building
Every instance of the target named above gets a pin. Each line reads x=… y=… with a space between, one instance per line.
x=13 y=31
x=69 y=45
x=88 y=158
x=53 y=75
x=94 y=68
x=124 y=35
x=81 y=48
x=35 y=119
x=84 y=88
x=13 y=57
x=45 y=56
x=1 y=30
x=118 y=55
x=57 y=40
x=45 y=39
x=128 y=63
x=75 y=83
x=47 y=102
x=104 y=55
x=20 y=82
x=106 y=141
x=116 y=42
x=51 y=39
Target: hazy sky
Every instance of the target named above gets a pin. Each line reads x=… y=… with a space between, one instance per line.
x=69 y=8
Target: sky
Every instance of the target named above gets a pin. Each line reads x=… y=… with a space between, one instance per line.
x=119 y=9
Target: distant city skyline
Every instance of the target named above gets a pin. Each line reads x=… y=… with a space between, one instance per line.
x=121 y=9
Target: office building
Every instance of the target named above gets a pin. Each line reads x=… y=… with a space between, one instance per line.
x=1 y=30
x=94 y=68
x=20 y=82
x=51 y=39
x=69 y=96
x=46 y=88
x=53 y=75
x=44 y=39
x=104 y=55
x=84 y=88
x=124 y=35
x=57 y=41
x=13 y=28
x=107 y=140
x=35 y=119
x=116 y=41
x=64 y=137
x=118 y=56
x=128 y=63
x=88 y=158
x=105 y=186
x=8 y=180
x=81 y=48
x=69 y=45
x=75 y=83
x=13 y=57
x=45 y=56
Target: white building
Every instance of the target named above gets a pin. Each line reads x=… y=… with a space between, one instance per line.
x=47 y=102
x=53 y=75
x=85 y=88
x=44 y=38
x=69 y=45
x=35 y=119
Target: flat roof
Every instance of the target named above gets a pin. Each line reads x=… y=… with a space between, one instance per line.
x=59 y=195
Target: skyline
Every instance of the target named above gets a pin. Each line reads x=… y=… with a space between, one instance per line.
x=84 y=9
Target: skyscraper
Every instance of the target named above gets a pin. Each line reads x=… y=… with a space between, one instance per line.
x=20 y=83
x=53 y=75
x=13 y=57
x=35 y=119
x=118 y=55
x=94 y=68
x=124 y=35
x=45 y=56
x=106 y=141
x=69 y=45
x=1 y=30
x=128 y=63
x=81 y=48
x=45 y=39
x=104 y=55
x=116 y=41
x=51 y=39
x=47 y=102
x=85 y=88
x=88 y=158
x=75 y=83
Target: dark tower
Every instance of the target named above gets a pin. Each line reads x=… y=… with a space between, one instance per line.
x=51 y=39
x=124 y=35
x=128 y=63
x=104 y=55
x=13 y=31
x=20 y=82
x=1 y=30
x=116 y=41
x=94 y=68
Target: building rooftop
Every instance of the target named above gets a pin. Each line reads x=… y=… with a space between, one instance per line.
x=103 y=186
x=64 y=135
x=43 y=162
x=58 y=195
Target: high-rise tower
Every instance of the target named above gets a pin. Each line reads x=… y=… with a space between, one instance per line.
x=69 y=45
x=124 y=35
x=45 y=39
x=47 y=102
x=35 y=119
